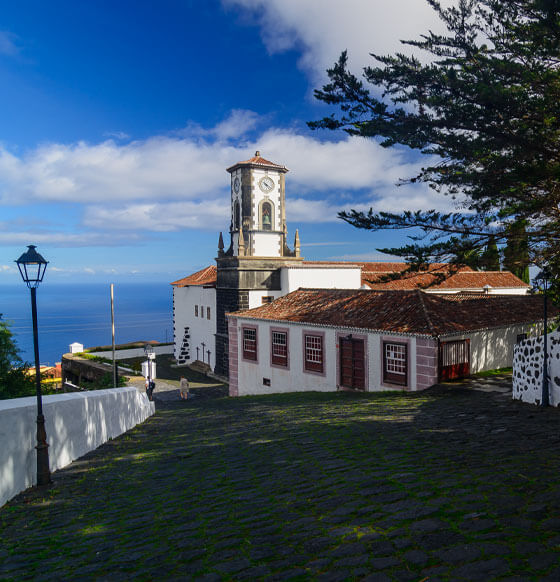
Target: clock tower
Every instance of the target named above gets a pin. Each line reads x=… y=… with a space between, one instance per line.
x=248 y=273
x=258 y=218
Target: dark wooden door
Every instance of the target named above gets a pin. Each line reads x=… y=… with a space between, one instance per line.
x=454 y=359
x=352 y=363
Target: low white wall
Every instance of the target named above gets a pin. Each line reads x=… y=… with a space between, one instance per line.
x=76 y=423
x=133 y=352
x=528 y=362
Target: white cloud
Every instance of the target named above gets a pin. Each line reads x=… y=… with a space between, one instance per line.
x=62 y=239
x=160 y=217
x=7 y=269
x=322 y=29
x=171 y=183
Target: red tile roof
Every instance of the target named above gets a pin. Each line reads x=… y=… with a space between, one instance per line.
x=257 y=160
x=206 y=277
x=408 y=312
x=444 y=279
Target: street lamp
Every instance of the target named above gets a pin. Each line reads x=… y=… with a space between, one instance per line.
x=542 y=281
x=32 y=267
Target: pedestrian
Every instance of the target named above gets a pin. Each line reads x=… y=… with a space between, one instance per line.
x=151 y=388
x=184 y=388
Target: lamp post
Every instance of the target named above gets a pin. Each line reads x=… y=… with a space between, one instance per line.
x=542 y=280
x=32 y=267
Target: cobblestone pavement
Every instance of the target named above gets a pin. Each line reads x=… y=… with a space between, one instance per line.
x=449 y=484
x=168 y=391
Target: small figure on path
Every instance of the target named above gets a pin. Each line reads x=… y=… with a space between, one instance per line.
x=151 y=388
x=184 y=388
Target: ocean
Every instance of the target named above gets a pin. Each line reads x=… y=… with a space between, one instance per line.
x=82 y=313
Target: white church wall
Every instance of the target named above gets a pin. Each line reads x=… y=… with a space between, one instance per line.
x=292 y=278
x=256 y=297
x=191 y=311
x=266 y=244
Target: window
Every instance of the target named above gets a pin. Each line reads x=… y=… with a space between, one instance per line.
x=266 y=299
x=196 y=310
x=250 y=343
x=266 y=216
x=208 y=313
x=395 y=361
x=313 y=357
x=279 y=351
x=237 y=216
x=202 y=312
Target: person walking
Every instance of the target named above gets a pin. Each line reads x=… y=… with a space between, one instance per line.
x=184 y=388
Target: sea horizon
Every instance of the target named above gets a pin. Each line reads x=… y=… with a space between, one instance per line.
x=81 y=312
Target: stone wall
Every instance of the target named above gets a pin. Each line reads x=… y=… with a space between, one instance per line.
x=528 y=358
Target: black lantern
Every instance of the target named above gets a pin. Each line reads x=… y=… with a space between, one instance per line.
x=32 y=268
x=542 y=281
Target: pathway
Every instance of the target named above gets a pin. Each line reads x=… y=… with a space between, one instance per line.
x=450 y=484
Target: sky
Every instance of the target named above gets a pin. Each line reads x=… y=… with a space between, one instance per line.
x=119 y=118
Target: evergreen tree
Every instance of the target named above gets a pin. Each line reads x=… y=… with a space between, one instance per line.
x=485 y=112
x=516 y=256
x=490 y=258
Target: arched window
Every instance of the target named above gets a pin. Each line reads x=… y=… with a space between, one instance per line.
x=237 y=218
x=266 y=216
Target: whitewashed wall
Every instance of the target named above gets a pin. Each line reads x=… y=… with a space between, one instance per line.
x=491 y=291
x=493 y=348
x=250 y=374
x=201 y=329
x=133 y=352
x=528 y=369
x=255 y=297
x=75 y=424
x=292 y=278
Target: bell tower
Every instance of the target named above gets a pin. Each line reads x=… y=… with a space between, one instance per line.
x=250 y=268
x=258 y=216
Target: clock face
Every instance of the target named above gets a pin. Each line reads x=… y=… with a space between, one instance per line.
x=266 y=184
x=236 y=185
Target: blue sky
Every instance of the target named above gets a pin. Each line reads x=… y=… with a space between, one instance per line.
x=119 y=118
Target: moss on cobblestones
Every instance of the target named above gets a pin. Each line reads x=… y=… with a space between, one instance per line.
x=445 y=485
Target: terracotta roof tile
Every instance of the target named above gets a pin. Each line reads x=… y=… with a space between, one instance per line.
x=412 y=312
x=206 y=276
x=257 y=160
x=463 y=279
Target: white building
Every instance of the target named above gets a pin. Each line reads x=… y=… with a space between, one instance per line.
x=329 y=340
x=258 y=267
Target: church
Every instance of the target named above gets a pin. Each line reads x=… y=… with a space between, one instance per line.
x=259 y=266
